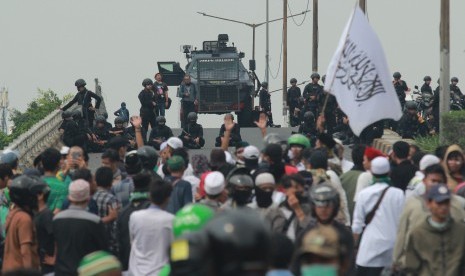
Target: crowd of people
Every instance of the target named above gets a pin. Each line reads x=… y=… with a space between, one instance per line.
x=291 y=206
x=285 y=207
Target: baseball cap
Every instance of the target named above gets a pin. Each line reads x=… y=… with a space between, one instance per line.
x=428 y=160
x=175 y=143
x=98 y=262
x=251 y=152
x=79 y=191
x=264 y=178
x=322 y=241
x=214 y=183
x=380 y=166
x=439 y=193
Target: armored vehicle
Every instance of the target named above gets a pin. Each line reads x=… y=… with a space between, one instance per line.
x=224 y=85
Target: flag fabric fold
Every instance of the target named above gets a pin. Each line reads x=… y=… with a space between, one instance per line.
x=358 y=75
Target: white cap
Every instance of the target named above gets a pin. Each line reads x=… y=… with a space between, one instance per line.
x=174 y=143
x=264 y=178
x=64 y=150
x=163 y=145
x=428 y=160
x=229 y=158
x=251 y=152
x=380 y=165
x=214 y=183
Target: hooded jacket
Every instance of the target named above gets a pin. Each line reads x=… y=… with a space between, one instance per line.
x=451 y=182
x=432 y=251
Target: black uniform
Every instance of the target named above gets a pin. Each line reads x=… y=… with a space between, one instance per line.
x=293 y=95
x=102 y=134
x=192 y=131
x=411 y=126
x=72 y=135
x=234 y=138
x=400 y=87
x=147 y=113
x=309 y=130
x=425 y=88
x=130 y=134
x=265 y=104
x=84 y=99
x=456 y=90
x=159 y=132
x=330 y=111
x=312 y=89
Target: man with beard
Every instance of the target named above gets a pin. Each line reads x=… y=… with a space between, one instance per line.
x=160 y=133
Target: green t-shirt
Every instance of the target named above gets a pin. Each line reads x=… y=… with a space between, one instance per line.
x=58 y=193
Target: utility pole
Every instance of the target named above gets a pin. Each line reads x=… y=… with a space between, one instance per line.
x=285 y=61
x=267 y=54
x=363 y=5
x=444 y=89
x=315 y=37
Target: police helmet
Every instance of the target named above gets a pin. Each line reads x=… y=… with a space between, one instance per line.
x=146 y=82
x=161 y=119
x=192 y=117
x=119 y=120
x=308 y=116
x=148 y=156
x=411 y=105
x=324 y=194
x=100 y=119
x=396 y=75
x=454 y=79
x=77 y=114
x=240 y=243
x=265 y=84
x=67 y=114
x=272 y=138
x=293 y=80
x=427 y=78
x=24 y=190
x=315 y=75
x=241 y=180
x=80 y=83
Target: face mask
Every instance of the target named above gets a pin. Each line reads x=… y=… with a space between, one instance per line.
x=263 y=197
x=319 y=270
x=241 y=197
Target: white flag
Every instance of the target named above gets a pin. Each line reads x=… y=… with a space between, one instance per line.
x=359 y=77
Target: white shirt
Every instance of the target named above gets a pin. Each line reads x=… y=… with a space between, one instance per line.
x=151 y=233
x=364 y=180
x=379 y=237
x=346 y=165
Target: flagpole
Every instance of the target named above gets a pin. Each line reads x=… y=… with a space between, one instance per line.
x=338 y=62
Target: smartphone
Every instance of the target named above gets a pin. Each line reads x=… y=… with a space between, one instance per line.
x=76 y=155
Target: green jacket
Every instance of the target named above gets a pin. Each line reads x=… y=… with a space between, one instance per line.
x=431 y=251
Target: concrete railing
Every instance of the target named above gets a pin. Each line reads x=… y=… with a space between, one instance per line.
x=44 y=134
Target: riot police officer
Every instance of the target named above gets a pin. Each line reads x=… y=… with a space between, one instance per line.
x=148 y=104
x=401 y=87
x=84 y=99
x=192 y=133
x=312 y=94
x=308 y=127
x=160 y=133
x=265 y=103
x=426 y=87
x=454 y=88
x=411 y=124
x=293 y=96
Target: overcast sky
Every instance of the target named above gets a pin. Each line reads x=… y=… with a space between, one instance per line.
x=51 y=43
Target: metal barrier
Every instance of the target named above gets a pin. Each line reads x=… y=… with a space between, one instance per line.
x=44 y=134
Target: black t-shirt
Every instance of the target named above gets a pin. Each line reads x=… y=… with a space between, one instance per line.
x=43 y=223
x=159 y=88
x=77 y=233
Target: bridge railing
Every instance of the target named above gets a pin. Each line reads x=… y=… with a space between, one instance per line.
x=44 y=134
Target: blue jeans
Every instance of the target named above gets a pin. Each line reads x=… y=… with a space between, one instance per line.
x=160 y=109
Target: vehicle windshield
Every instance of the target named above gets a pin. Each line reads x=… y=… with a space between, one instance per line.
x=215 y=69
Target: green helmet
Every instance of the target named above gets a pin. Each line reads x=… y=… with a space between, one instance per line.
x=191 y=218
x=165 y=271
x=298 y=139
